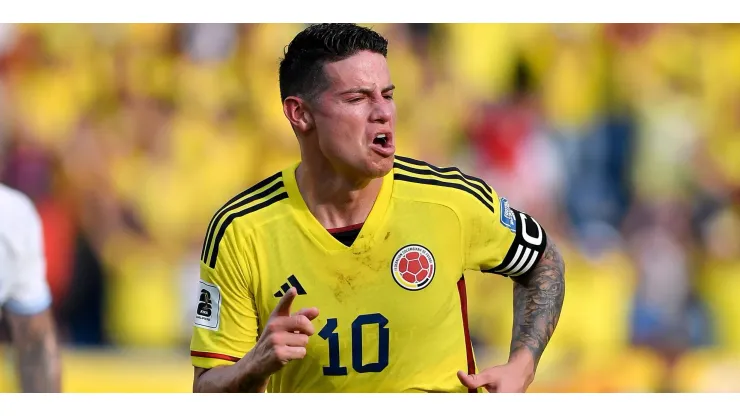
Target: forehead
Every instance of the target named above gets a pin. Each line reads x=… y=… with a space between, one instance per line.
x=362 y=69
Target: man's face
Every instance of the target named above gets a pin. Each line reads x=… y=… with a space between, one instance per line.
x=355 y=116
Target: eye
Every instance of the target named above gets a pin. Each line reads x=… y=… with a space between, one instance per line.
x=388 y=97
x=355 y=99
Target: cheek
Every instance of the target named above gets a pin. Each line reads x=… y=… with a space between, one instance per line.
x=333 y=137
x=342 y=128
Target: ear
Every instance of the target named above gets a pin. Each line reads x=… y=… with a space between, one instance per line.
x=298 y=113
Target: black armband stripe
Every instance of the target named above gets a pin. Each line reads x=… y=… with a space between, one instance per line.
x=526 y=250
x=220 y=213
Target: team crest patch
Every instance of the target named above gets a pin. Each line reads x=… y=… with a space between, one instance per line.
x=413 y=267
x=507 y=215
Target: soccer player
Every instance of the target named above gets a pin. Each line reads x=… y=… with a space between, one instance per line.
x=343 y=272
x=24 y=294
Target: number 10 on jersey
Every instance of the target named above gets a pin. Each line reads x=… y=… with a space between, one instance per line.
x=328 y=333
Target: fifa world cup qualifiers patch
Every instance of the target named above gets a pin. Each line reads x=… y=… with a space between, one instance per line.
x=507 y=215
x=209 y=306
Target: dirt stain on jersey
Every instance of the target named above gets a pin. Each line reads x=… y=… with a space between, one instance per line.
x=474 y=237
x=361 y=246
x=345 y=283
x=346 y=279
x=371 y=263
x=363 y=254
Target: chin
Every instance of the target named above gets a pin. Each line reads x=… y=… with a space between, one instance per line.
x=368 y=167
x=380 y=167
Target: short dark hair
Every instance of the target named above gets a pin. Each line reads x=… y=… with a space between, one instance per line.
x=302 y=68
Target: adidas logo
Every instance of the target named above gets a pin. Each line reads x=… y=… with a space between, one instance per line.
x=292 y=281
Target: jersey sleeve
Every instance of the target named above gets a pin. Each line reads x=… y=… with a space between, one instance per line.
x=500 y=239
x=225 y=325
x=26 y=265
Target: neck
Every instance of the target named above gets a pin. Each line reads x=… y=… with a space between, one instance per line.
x=336 y=200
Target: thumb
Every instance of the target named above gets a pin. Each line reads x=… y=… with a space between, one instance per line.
x=471 y=381
x=283 y=306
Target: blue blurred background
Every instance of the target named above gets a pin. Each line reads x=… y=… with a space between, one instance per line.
x=622 y=139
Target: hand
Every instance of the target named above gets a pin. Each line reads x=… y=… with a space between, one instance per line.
x=513 y=377
x=285 y=337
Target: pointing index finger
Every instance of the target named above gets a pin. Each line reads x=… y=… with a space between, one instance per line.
x=283 y=306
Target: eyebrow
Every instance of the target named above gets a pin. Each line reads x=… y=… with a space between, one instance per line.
x=366 y=90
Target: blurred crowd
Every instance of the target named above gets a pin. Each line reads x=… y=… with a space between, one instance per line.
x=622 y=139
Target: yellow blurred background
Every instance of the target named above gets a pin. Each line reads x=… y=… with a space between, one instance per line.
x=622 y=139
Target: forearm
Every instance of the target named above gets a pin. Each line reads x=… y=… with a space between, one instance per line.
x=538 y=300
x=39 y=365
x=237 y=378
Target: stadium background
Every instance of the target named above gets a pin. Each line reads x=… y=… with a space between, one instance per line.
x=623 y=140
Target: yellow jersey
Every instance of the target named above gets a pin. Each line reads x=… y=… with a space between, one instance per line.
x=392 y=301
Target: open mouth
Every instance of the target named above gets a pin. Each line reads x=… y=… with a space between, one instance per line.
x=383 y=144
x=381 y=139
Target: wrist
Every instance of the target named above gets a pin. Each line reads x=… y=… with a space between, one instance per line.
x=523 y=360
x=252 y=376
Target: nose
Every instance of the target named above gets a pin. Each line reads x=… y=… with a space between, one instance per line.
x=382 y=111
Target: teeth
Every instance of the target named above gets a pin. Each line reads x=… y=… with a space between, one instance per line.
x=380 y=136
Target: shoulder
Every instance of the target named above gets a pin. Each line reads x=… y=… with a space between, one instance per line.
x=16 y=204
x=245 y=211
x=261 y=198
x=20 y=221
x=444 y=185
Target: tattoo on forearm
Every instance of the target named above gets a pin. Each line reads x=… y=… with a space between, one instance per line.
x=38 y=355
x=538 y=300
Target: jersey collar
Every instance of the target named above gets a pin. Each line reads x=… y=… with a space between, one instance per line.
x=319 y=234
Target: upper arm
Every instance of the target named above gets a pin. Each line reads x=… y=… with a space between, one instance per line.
x=225 y=325
x=24 y=263
x=501 y=240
